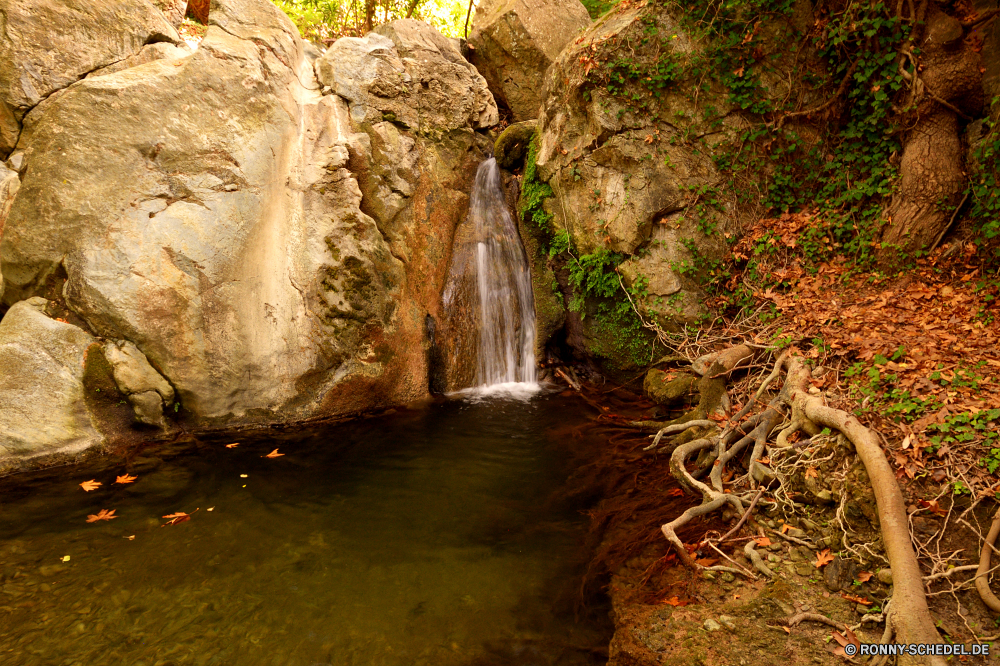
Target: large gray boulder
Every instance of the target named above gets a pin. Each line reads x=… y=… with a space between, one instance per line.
x=515 y=41
x=627 y=180
x=409 y=74
x=45 y=45
x=42 y=403
x=269 y=252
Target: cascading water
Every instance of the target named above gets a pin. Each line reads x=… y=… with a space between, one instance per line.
x=506 y=354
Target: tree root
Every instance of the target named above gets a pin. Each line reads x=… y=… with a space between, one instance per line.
x=982 y=573
x=798 y=619
x=909 y=616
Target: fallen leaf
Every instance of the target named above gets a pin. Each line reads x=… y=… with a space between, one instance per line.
x=708 y=561
x=675 y=492
x=91 y=485
x=864 y=576
x=675 y=601
x=787 y=630
x=823 y=558
x=103 y=514
x=856 y=599
x=131 y=537
x=127 y=478
x=763 y=541
x=179 y=514
x=243 y=476
x=785 y=527
x=811 y=473
x=211 y=508
x=183 y=518
x=65 y=558
x=274 y=454
x=764 y=461
x=233 y=445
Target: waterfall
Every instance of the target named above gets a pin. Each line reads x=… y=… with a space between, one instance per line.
x=506 y=352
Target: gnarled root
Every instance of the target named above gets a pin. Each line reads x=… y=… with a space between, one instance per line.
x=909 y=617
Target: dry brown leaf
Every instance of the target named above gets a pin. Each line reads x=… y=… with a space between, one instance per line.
x=763 y=541
x=864 y=576
x=274 y=454
x=130 y=537
x=812 y=473
x=103 y=514
x=675 y=601
x=856 y=599
x=179 y=519
x=233 y=445
x=127 y=478
x=91 y=485
x=787 y=630
x=179 y=514
x=785 y=527
x=823 y=558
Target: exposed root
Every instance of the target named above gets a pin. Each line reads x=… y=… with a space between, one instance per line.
x=909 y=617
x=750 y=551
x=982 y=573
x=796 y=620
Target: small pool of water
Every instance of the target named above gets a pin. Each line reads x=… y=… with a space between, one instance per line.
x=424 y=537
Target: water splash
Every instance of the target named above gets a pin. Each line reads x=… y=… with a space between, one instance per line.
x=506 y=354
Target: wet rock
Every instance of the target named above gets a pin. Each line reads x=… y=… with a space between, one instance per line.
x=41 y=380
x=146 y=389
x=514 y=42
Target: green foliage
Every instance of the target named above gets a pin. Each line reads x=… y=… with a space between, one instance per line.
x=597 y=8
x=534 y=192
x=983 y=190
x=325 y=20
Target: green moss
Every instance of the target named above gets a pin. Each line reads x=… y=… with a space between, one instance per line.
x=534 y=192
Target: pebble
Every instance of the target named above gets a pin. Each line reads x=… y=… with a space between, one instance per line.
x=712 y=625
x=727 y=577
x=884 y=576
x=728 y=621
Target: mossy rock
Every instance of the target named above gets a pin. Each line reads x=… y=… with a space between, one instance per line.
x=666 y=390
x=512 y=144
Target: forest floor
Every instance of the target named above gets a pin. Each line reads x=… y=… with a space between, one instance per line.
x=916 y=357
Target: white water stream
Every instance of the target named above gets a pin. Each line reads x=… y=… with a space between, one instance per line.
x=506 y=361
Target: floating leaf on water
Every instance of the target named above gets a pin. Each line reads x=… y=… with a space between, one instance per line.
x=233 y=445
x=126 y=478
x=131 y=537
x=274 y=454
x=91 y=485
x=103 y=514
x=243 y=476
x=65 y=558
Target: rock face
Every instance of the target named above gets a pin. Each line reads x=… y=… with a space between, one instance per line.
x=624 y=179
x=272 y=252
x=45 y=45
x=41 y=380
x=515 y=41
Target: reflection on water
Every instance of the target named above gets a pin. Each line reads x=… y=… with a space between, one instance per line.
x=421 y=538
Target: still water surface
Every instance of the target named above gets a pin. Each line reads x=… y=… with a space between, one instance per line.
x=424 y=537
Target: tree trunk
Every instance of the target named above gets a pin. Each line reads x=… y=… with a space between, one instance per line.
x=947 y=85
